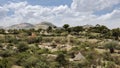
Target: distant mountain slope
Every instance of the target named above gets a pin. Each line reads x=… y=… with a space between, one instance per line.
x=1 y=27
x=87 y=26
x=21 y=26
x=47 y=23
x=44 y=25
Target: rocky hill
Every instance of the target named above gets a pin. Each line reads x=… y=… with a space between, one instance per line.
x=42 y=25
x=21 y=26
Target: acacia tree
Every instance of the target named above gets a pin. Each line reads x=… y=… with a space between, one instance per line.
x=99 y=29
x=116 y=33
x=65 y=26
x=49 y=29
x=2 y=31
x=77 y=29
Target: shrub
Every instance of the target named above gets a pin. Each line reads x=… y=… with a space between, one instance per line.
x=61 y=60
x=34 y=39
x=47 y=40
x=107 y=56
x=30 y=62
x=110 y=65
x=21 y=58
x=7 y=53
x=10 y=39
x=5 y=63
x=42 y=51
x=111 y=46
x=22 y=46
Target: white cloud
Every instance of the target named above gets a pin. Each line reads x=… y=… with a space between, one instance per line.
x=16 y=6
x=80 y=13
x=93 y=5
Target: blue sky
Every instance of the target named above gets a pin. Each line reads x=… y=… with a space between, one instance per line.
x=59 y=12
x=50 y=2
x=41 y=2
x=108 y=10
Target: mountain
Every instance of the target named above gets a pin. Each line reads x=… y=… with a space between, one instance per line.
x=47 y=24
x=44 y=25
x=21 y=26
x=87 y=26
x=1 y=27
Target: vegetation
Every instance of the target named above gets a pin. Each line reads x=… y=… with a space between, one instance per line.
x=66 y=47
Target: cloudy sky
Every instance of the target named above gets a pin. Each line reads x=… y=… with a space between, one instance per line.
x=59 y=12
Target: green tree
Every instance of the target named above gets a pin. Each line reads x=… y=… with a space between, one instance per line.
x=61 y=60
x=2 y=31
x=69 y=30
x=22 y=46
x=116 y=33
x=49 y=29
x=13 y=31
x=21 y=58
x=65 y=26
x=99 y=29
x=78 y=29
x=10 y=39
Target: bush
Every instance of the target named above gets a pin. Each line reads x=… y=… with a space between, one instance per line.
x=111 y=46
x=22 y=46
x=57 y=40
x=34 y=39
x=30 y=62
x=21 y=58
x=107 y=56
x=47 y=40
x=10 y=39
x=42 y=51
x=110 y=65
x=2 y=39
x=5 y=63
x=63 y=41
x=61 y=60
x=6 y=53
x=116 y=59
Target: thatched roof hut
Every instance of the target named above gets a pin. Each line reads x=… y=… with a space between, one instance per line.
x=79 y=57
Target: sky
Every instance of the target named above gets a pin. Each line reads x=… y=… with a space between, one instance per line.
x=60 y=12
